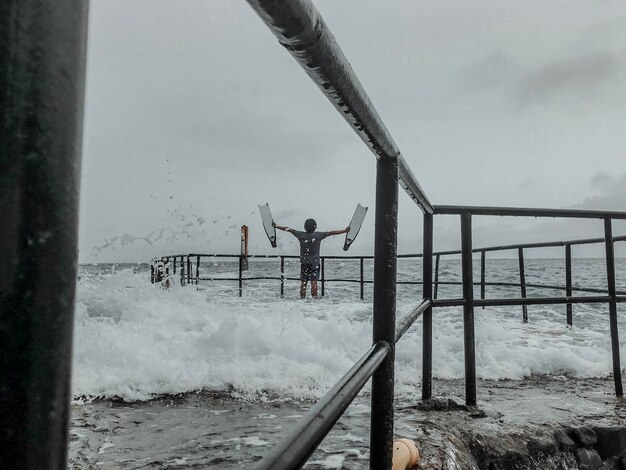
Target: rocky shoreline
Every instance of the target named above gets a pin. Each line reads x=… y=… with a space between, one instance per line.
x=547 y=423
x=538 y=423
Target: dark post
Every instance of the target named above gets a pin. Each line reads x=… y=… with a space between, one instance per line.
x=174 y=264
x=568 y=281
x=610 y=276
x=361 y=267
x=482 y=275
x=282 y=276
x=182 y=270
x=188 y=270
x=436 y=276
x=427 y=316
x=468 y=309
x=240 y=275
x=42 y=73
x=323 y=276
x=384 y=321
x=522 y=282
x=197 y=270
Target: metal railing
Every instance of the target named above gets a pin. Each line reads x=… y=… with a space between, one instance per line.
x=194 y=261
x=41 y=103
x=190 y=269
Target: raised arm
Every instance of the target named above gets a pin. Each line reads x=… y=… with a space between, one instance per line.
x=337 y=232
x=281 y=227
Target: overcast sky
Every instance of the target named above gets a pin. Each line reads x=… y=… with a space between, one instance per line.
x=195 y=114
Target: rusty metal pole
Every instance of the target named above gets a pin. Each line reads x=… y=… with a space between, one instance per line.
x=42 y=75
x=384 y=321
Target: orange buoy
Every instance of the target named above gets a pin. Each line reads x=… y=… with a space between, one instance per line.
x=405 y=454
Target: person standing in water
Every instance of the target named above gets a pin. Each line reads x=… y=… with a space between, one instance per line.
x=309 y=252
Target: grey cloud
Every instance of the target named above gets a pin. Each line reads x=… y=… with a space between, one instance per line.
x=612 y=193
x=490 y=71
x=576 y=76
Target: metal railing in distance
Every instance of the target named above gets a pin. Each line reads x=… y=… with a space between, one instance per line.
x=612 y=299
x=299 y=28
x=301 y=441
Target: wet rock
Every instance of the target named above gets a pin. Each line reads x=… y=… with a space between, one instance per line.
x=611 y=441
x=564 y=442
x=584 y=437
x=610 y=464
x=541 y=446
x=588 y=459
x=441 y=404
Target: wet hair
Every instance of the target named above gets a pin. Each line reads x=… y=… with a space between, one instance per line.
x=310 y=225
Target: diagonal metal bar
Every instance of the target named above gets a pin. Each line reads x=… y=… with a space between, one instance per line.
x=299 y=28
x=409 y=318
x=296 y=447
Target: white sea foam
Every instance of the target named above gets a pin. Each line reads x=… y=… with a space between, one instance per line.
x=135 y=340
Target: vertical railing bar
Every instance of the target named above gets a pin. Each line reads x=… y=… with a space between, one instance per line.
x=427 y=316
x=436 y=276
x=568 y=283
x=522 y=283
x=610 y=275
x=197 y=270
x=384 y=316
x=282 y=276
x=362 y=283
x=42 y=82
x=174 y=265
x=240 y=275
x=323 y=274
x=188 y=270
x=482 y=276
x=468 y=310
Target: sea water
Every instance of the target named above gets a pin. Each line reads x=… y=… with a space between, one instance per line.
x=135 y=341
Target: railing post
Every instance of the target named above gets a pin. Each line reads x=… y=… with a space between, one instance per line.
x=42 y=76
x=174 y=265
x=323 y=273
x=197 y=270
x=385 y=264
x=362 y=283
x=522 y=282
x=282 y=276
x=182 y=270
x=610 y=276
x=436 y=276
x=468 y=309
x=568 y=281
x=240 y=275
x=482 y=275
x=188 y=270
x=427 y=316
